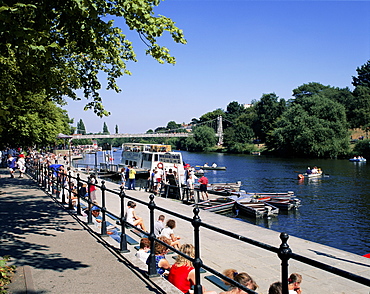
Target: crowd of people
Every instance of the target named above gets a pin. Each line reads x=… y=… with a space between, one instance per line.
x=182 y=273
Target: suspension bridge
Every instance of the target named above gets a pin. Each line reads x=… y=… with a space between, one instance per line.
x=216 y=124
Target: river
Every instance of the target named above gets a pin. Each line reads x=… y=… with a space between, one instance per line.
x=335 y=209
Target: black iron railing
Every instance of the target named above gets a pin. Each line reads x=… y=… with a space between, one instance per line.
x=58 y=183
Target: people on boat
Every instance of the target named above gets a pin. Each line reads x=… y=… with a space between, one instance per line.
x=308 y=171
x=206 y=164
x=242 y=278
x=314 y=170
x=294 y=283
x=214 y=165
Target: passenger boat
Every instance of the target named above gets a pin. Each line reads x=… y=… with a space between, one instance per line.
x=145 y=157
x=218 y=205
x=256 y=209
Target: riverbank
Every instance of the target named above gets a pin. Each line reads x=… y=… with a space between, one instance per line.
x=262 y=265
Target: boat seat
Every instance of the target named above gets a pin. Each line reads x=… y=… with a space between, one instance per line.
x=217 y=281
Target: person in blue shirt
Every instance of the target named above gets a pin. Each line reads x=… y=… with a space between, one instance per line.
x=12 y=165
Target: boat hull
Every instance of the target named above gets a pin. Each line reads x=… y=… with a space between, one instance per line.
x=257 y=209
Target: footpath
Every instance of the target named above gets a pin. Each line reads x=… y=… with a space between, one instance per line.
x=64 y=255
x=54 y=251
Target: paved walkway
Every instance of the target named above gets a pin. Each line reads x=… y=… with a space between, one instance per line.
x=54 y=251
x=64 y=257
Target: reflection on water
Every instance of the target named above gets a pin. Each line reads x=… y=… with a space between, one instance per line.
x=335 y=209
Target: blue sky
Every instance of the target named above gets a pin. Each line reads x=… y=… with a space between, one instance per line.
x=236 y=51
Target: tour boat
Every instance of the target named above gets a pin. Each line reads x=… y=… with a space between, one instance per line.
x=146 y=157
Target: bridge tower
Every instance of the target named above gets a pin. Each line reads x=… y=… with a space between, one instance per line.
x=220 y=134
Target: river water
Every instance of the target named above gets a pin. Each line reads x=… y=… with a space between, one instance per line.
x=335 y=209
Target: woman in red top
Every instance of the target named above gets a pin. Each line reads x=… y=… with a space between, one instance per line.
x=182 y=273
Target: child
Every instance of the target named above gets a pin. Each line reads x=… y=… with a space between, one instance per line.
x=160 y=250
x=168 y=233
x=294 y=283
x=143 y=252
x=242 y=278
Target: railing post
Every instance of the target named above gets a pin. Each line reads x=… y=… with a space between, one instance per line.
x=79 y=212
x=70 y=202
x=89 y=205
x=61 y=179
x=283 y=254
x=152 y=271
x=197 y=261
x=123 y=243
x=103 y=222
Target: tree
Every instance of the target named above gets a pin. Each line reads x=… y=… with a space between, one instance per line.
x=211 y=115
x=37 y=123
x=363 y=76
x=172 y=125
x=105 y=129
x=53 y=48
x=234 y=110
x=81 y=127
x=315 y=127
x=267 y=110
x=361 y=108
x=203 y=139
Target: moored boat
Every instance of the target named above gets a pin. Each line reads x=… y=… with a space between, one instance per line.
x=213 y=167
x=256 y=209
x=218 y=205
x=146 y=157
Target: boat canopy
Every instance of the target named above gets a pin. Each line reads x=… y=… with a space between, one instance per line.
x=140 y=147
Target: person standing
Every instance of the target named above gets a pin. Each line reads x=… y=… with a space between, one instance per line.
x=11 y=162
x=131 y=179
x=21 y=163
x=203 y=181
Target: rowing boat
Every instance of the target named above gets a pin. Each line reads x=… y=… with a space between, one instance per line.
x=218 y=205
x=257 y=209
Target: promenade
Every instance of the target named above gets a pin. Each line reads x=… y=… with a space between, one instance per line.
x=59 y=253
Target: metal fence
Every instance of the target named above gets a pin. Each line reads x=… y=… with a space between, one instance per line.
x=59 y=184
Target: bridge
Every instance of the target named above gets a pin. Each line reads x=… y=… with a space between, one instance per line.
x=216 y=124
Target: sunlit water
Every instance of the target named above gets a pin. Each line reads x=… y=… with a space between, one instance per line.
x=335 y=209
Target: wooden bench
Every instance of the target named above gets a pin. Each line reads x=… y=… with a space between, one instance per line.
x=218 y=282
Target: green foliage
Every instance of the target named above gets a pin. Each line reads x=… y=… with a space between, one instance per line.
x=267 y=110
x=172 y=125
x=6 y=272
x=315 y=127
x=81 y=127
x=362 y=148
x=105 y=129
x=203 y=139
x=57 y=47
x=211 y=115
x=363 y=76
x=33 y=121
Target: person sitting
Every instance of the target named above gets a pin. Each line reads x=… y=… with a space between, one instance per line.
x=158 y=226
x=182 y=273
x=169 y=234
x=160 y=250
x=214 y=164
x=242 y=278
x=132 y=218
x=206 y=165
x=294 y=283
x=308 y=171
x=143 y=252
x=276 y=288
x=314 y=170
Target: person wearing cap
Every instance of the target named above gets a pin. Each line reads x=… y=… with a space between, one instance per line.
x=21 y=163
x=95 y=211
